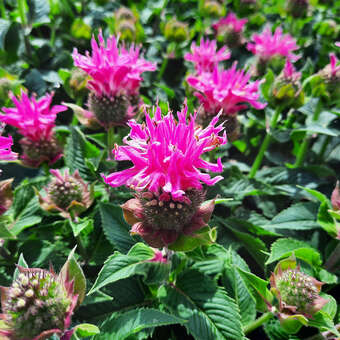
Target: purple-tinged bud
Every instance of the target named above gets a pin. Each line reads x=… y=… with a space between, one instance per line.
x=6 y=195
x=335 y=198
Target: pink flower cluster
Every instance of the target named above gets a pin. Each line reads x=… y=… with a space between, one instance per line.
x=226 y=89
x=34 y=118
x=205 y=56
x=231 y=21
x=267 y=45
x=166 y=154
x=6 y=143
x=114 y=71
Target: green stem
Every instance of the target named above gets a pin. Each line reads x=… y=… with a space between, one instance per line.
x=265 y=144
x=258 y=322
x=22 y=12
x=81 y=248
x=162 y=69
x=110 y=141
x=302 y=152
x=3 y=9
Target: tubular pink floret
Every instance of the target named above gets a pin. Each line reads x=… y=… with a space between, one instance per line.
x=267 y=45
x=205 y=56
x=231 y=20
x=6 y=153
x=114 y=71
x=34 y=118
x=333 y=62
x=166 y=152
x=289 y=72
x=225 y=90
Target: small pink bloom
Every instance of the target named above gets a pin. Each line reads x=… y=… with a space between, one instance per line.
x=34 y=118
x=205 y=56
x=166 y=154
x=289 y=72
x=159 y=257
x=114 y=71
x=6 y=143
x=335 y=198
x=333 y=61
x=267 y=45
x=337 y=44
x=231 y=21
x=226 y=89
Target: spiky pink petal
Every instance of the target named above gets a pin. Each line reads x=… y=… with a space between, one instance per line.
x=232 y=21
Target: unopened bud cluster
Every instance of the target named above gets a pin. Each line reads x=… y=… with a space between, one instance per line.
x=62 y=193
x=162 y=212
x=125 y=24
x=35 y=302
x=109 y=111
x=176 y=31
x=297 y=289
x=36 y=152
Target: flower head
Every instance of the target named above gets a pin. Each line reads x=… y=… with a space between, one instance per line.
x=228 y=90
x=166 y=154
x=205 y=56
x=34 y=118
x=267 y=45
x=297 y=292
x=38 y=304
x=66 y=193
x=230 y=21
x=114 y=71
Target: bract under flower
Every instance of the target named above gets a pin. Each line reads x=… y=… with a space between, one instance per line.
x=228 y=90
x=114 y=71
x=205 y=56
x=166 y=154
x=267 y=45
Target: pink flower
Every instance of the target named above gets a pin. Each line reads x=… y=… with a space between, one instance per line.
x=289 y=72
x=226 y=89
x=267 y=45
x=230 y=20
x=114 y=71
x=6 y=143
x=337 y=44
x=166 y=155
x=206 y=57
x=333 y=68
x=34 y=118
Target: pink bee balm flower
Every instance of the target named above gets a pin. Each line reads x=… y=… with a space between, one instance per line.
x=114 y=71
x=289 y=72
x=333 y=68
x=167 y=155
x=337 y=44
x=226 y=90
x=6 y=143
x=205 y=56
x=231 y=21
x=35 y=120
x=267 y=45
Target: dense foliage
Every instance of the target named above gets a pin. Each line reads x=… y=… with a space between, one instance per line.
x=176 y=181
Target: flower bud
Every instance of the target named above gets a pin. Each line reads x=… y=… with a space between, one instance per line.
x=78 y=82
x=335 y=198
x=123 y=14
x=212 y=8
x=297 y=292
x=176 y=31
x=30 y=309
x=6 y=195
x=297 y=8
x=67 y=194
x=5 y=88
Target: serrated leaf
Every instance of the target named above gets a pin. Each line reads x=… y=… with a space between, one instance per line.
x=258 y=289
x=210 y=312
x=317 y=194
x=323 y=322
x=284 y=247
x=300 y=216
x=122 y=326
x=115 y=228
x=325 y=220
x=136 y=262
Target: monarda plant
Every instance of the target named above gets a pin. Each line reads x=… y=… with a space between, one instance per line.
x=166 y=155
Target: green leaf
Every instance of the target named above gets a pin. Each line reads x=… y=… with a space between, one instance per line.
x=293 y=323
x=210 y=312
x=86 y=329
x=300 y=216
x=317 y=194
x=330 y=307
x=314 y=128
x=115 y=228
x=326 y=220
x=284 y=247
x=323 y=322
x=185 y=243
x=71 y=270
x=258 y=289
x=327 y=277
x=129 y=323
x=21 y=263
x=5 y=233
x=137 y=262
x=4 y=27
x=80 y=225
x=237 y=288
x=38 y=12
